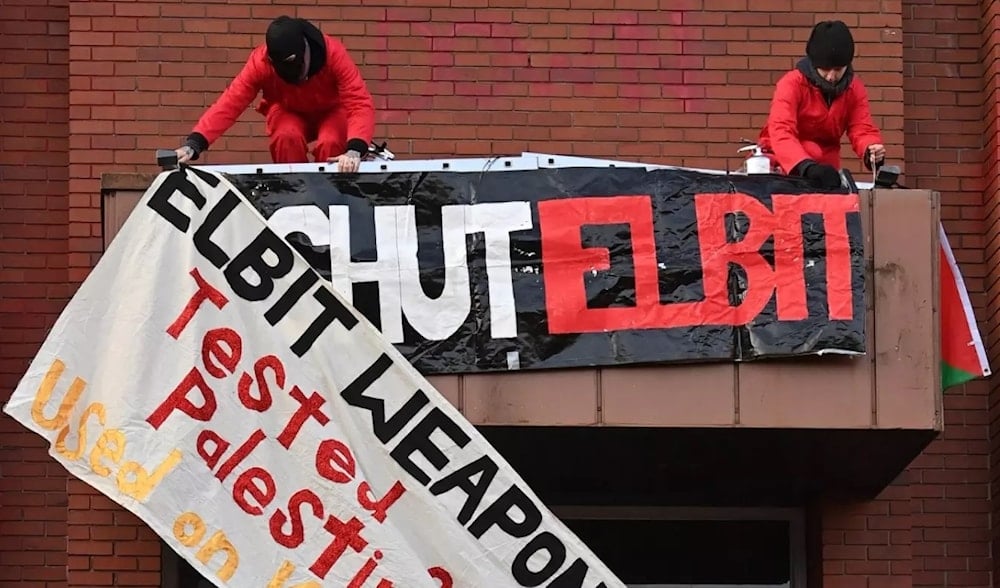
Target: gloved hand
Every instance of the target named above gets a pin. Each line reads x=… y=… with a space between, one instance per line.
x=192 y=148
x=823 y=176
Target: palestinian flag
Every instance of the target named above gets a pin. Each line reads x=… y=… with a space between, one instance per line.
x=963 y=356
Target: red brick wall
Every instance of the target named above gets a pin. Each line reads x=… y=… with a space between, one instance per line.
x=33 y=229
x=990 y=11
x=492 y=77
x=950 y=490
x=684 y=84
x=870 y=543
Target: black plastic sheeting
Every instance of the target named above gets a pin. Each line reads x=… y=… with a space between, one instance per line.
x=605 y=233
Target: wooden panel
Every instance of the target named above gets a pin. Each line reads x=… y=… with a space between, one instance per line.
x=117 y=207
x=449 y=386
x=556 y=397
x=826 y=392
x=126 y=181
x=908 y=375
x=696 y=396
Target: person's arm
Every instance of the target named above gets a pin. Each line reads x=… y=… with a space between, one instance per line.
x=235 y=99
x=783 y=126
x=861 y=129
x=355 y=97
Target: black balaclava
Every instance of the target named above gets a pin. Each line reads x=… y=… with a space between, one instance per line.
x=287 y=48
x=830 y=45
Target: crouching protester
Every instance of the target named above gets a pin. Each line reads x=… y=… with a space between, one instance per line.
x=311 y=90
x=814 y=105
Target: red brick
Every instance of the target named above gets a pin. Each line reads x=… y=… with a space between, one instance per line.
x=32 y=489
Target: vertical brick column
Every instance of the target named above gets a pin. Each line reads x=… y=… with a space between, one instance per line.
x=944 y=136
x=33 y=213
x=990 y=67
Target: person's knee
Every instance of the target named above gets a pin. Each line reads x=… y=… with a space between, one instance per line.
x=289 y=138
x=288 y=146
x=327 y=147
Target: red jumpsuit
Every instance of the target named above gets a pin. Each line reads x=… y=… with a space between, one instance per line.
x=330 y=107
x=801 y=126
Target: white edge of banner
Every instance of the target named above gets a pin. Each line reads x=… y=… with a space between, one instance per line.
x=963 y=294
x=558 y=161
x=527 y=160
x=461 y=164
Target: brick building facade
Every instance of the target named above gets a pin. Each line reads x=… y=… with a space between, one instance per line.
x=92 y=87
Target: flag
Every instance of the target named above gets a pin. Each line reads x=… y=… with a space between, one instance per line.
x=963 y=356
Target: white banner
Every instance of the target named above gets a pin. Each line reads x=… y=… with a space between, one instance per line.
x=205 y=378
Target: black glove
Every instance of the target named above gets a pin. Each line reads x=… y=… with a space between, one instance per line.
x=197 y=143
x=823 y=176
x=359 y=145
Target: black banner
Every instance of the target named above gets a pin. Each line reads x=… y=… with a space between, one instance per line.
x=572 y=267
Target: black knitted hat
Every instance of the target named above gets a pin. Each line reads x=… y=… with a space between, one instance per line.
x=285 y=37
x=830 y=45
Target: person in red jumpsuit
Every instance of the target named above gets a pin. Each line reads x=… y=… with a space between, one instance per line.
x=312 y=92
x=815 y=104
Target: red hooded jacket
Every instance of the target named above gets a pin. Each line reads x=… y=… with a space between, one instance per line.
x=336 y=85
x=802 y=126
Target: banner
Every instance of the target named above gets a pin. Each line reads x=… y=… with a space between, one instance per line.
x=570 y=267
x=205 y=378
